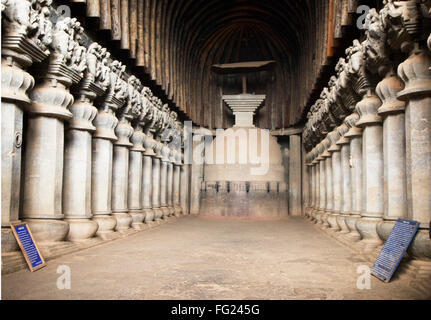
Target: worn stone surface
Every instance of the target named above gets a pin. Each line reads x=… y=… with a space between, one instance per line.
x=199 y=259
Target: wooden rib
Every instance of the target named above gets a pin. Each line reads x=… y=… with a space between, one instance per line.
x=115 y=20
x=133 y=30
x=105 y=15
x=125 y=40
x=140 y=55
x=93 y=8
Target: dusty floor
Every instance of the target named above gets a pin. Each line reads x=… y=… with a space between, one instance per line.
x=194 y=258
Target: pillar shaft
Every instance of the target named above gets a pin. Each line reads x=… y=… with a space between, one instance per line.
x=156 y=188
x=416 y=76
x=120 y=176
x=185 y=189
x=135 y=187
x=295 y=182
x=101 y=174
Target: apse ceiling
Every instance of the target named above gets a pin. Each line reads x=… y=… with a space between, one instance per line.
x=173 y=44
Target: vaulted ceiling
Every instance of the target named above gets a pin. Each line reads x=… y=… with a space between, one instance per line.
x=172 y=44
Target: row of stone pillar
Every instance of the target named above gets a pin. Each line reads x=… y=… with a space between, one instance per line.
x=91 y=148
x=375 y=167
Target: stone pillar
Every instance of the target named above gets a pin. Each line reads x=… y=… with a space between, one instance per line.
x=322 y=184
x=170 y=184
x=316 y=187
x=50 y=100
x=158 y=213
x=147 y=179
x=103 y=153
x=101 y=172
x=78 y=157
x=328 y=192
x=196 y=177
x=164 y=181
x=295 y=179
x=185 y=188
x=329 y=187
x=346 y=186
x=177 y=184
x=417 y=95
x=394 y=152
x=120 y=175
x=334 y=149
x=372 y=183
x=355 y=137
x=305 y=192
x=135 y=202
x=19 y=50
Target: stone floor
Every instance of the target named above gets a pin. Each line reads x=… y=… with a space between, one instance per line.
x=194 y=258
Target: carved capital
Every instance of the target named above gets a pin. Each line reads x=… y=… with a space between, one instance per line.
x=387 y=90
x=105 y=123
x=333 y=137
x=415 y=72
x=351 y=121
x=367 y=110
x=138 y=139
x=124 y=131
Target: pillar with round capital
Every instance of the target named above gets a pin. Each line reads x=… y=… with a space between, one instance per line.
x=394 y=152
x=19 y=50
x=147 y=179
x=120 y=174
x=321 y=182
x=78 y=150
x=316 y=186
x=103 y=153
x=158 y=213
x=135 y=202
x=372 y=183
x=415 y=72
x=334 y=149
x=44 y=159
x=184 y=187
x=101 y=172
x=170 y=183
x=314 y=183
x=177 y=183
x=355 y=137
x=346 y=186
x=164 y=181
x=328 y=183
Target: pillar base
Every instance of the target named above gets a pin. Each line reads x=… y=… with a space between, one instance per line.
x=325 y=219
x=319 y=214
x=332 y=221
x=314 y=215
x=178 y=211
x=149 y=215
x=367 y=228
x=81 y=229
x=124 y=221
x=341 y=221
x=353 y=234
x=158 y=213
x=107 y=224
x=420 y=248
x=171 y=210
x=138 y=218
x=165 y=212
x=384 y=229
x=8 y=241
x=47 y=230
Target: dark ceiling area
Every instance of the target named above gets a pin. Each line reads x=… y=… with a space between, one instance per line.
x=172 y=45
